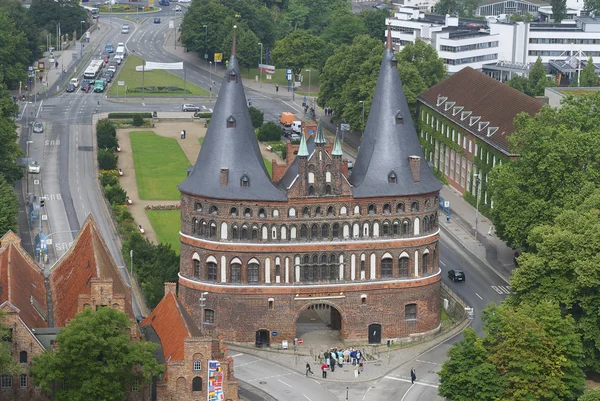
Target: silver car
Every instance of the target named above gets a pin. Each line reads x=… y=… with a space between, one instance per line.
x=190 y=107
x=38 y=127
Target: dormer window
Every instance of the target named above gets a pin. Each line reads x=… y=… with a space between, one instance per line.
x=232 y=76
x=449 y=105
x=483 y=125
x=465 y=114
x=457 y=110
x=474 y=120
x=394 y=61
x=492 y=131
x=230 y=122
x=392 y=179
x=441 y=100
x=399 y=118
x=245 y=181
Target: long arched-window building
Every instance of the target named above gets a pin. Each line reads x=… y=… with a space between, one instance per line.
x=256 y=252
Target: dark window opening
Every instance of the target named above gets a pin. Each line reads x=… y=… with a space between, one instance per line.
x=197 y=383
x=400 y=208
x=209 y=316
x=386 y=268
x=336 y=230
x=325 y=231
x=214 y=210
x=403 y=267
x=311 y=190
x=211 y=269
x=410 y=312
x=235 y=273
x=245 y=181
x=314 y=231
x=328 y=189
x=196 y=268
x=247 y=212
x=253 y=273
x=372 y=209
x=414 y=207
x=261 y=213
x=23 y=357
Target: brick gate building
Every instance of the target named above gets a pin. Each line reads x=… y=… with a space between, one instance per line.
x=256 y=253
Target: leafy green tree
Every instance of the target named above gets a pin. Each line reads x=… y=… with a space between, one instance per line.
x=468 y=373
x=315 y=15
x=10 y=151
x=559 y=10
x=424 y=57
x=374 y=21
x=464 y=8
x=556 y=167
x=9 y=207
x=519 y=83
x=298 y=50
x=219 y=21
x=106 y=127
x=590 y=395
x=24 y=23
x=138 y=120
x=343 y=29
x=564 y=266
x=96 y=359
x=269 y=131
x=589 y=77
x=115 y=194
x=13 y=52
x=8 y=365
x=257 y=116
x=258 y=18
x=538 y=79
x=530 y=352
x=107 y=159
x=46 y=14
x=591 y=6
x=247 y=48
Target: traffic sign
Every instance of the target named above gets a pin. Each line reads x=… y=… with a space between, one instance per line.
x=44 y=217
x=121 y=83
x=171 y=24
x=446 y=204
x=288 y=77
x=299 y=341
x=49 y=241
x=274 y=333
x=345 y=127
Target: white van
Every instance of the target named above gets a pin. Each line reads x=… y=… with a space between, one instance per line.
x=297 y=126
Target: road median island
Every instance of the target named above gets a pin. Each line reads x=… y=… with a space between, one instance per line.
x=156 y=83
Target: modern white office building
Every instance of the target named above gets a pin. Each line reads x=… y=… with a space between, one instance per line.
x=500 y=49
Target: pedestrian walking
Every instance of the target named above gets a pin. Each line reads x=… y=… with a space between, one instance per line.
x=308 y=370
x=413 y=375
x=340 y=358
x=356 y=371
x=276 y=88
x=333 y=361
x=324 y=369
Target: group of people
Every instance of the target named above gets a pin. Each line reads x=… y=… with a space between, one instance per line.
x=328 y=111
x=338 y=357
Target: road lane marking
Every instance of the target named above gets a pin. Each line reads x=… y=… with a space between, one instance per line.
x=282 y=382
x=247 y=363
x=443 y=264
x=502 y=289
x=408 y=381
x=306 y=397
x=478 y=296
x=39 y=109
x=404 y=396
x=431 y=363
x=365 y=394
x=233 y=356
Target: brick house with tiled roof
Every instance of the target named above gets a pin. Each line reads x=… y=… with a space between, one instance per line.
x=186 y=352
x=464 y=125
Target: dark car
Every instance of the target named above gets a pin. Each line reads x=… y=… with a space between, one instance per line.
x=71 y=88
x=157 y=20
x=107 y=76
x=105 y=57
x=85 y=85
x=456 y=275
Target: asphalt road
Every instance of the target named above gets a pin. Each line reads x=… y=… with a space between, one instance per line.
x=69 y=183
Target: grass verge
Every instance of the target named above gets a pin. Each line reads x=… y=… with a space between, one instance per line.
x=156 y=82
x=166 y=225
x=160 y=165
x=269 y=166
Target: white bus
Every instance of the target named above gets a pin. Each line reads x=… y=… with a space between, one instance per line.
x=93 y=69
x=93 y=11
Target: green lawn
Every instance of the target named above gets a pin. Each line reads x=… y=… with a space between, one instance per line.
x=269 y=166
x=201 y=140
x=166 y=225
x=160 y=165
x=153 y=80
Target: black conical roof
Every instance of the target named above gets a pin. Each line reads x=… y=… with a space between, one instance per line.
x=235 y=149
x=386 y=144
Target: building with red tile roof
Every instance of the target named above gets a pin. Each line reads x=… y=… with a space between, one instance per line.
x=82 y=275
x=185 y=352
x=464 y=125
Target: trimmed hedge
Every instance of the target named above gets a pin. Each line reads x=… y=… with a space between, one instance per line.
x=205 y=114
x=128 y=115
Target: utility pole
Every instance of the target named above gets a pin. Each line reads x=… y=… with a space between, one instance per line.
x=205 y=43
x=259 y=67
x=477 y=183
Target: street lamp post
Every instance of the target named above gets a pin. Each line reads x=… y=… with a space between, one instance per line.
x=202 y=308
x=259 y=67
x=363 y=115
x=81 y=30
x=477 y=183
x=210 y=83
x=308 y=82
x=205 y=42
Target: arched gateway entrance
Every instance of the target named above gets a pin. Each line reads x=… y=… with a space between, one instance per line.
x=319 y=320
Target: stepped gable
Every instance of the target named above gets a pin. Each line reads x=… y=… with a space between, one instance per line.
x=172 y=324
x=307 y=147
x=389 y=141
x=88 y=258
x=230 y=151
x=22 y=282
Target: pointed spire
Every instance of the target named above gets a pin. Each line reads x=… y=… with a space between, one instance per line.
x=303 y=150
x=233 y=46
x=337 y=145
x=388 y=43
x=320 y=137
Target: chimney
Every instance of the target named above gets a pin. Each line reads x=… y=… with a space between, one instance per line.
x=171 y=287
x=224 y=178
x=415 y=167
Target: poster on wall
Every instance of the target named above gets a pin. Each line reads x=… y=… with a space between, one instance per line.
x=215 y=382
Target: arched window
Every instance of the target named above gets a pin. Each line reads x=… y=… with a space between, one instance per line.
x=214 y=210
x=211 y=271
x=414 y=207
x=318 y=211
x=405 y=228
x=303 y=231
x=247 y=212
x=235 y=272
x=233 y=212
x=311 y=190
x=254 y=233
x=244 y=232
x=261 y=213
x=328 y=189
x=305 y=268
x=202 y=228
x=311 y=178
x=357 y=210
x=425 y=224
x=235 y=233
x=343 y=211
x=283 y=235
x=306 y=212
x=194 y=225
x=275 y=213
x=396 y=228
x=324 y=268
x=385 y=228
x=196 y=264
x=330 y=211
x=314 y=231
x=315 y=268
x=292 y=212
x=212 y=230
x=387 y=209
x=23 y=357
x=325 y=231
x=427 y=204
x=372 y=209
x=333 y=268
x=386 y=268
x=400 y=208
x=253 y=272
x=335 y=230
x=197 y=384
x=198 y=207
x=425 y=264
x=403 y=266
x=433 y=222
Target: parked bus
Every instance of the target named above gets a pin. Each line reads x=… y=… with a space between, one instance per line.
x=93 y=11
x=93 y=69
